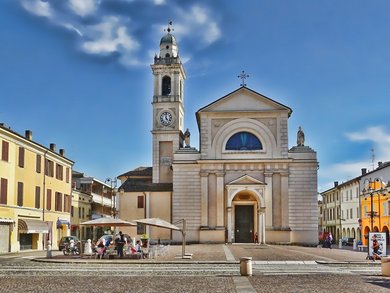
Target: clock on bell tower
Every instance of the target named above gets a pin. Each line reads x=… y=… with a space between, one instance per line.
x=168 y=106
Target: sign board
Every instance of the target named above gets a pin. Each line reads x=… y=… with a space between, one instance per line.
x=381 y=238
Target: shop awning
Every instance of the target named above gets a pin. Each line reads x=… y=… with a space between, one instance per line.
x=61 y=222
x=6 y=220
x=32 y=226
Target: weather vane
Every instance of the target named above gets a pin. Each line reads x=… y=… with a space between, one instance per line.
x=243 y=76
x=169 y=29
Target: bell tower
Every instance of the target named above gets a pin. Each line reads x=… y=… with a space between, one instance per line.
x=168 y=107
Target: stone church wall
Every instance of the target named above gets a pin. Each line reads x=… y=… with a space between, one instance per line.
x=186 y=201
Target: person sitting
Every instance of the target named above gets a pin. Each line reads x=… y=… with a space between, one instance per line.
x=101 y=249
x=375 y=248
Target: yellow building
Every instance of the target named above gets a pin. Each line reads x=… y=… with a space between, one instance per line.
x=375 y=207
x=80 y=212
x=35 y=193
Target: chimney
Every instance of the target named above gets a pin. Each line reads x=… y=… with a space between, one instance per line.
x=336 y=183
x=380 y=164
x=53 y=147
x=28 y=134
x=364 y=171
x=62 y=152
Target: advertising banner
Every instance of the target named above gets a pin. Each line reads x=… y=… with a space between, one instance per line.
x=377 y=244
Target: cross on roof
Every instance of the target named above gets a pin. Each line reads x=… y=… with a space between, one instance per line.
x=243 y=76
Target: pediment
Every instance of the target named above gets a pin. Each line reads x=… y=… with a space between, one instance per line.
x=246 y=180
x=244 y=100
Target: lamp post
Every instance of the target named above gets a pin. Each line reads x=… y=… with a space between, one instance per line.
x=370 y=189
x=113 y=184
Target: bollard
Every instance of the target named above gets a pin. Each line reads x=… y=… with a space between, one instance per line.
x=385 y=266
x=48 y=253
x=246 y=266
x=354 y=244
x=340 y=244
x=88 y=247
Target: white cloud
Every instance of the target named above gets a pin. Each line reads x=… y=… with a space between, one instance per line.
x=71 y=27
x=38 y=8
x=159 y=2
x=83 y=7
x=344 y=171
x=108 y=37
x=197 y=22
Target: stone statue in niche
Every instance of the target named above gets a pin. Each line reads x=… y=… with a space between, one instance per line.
x=300 y=137
x=187 y=135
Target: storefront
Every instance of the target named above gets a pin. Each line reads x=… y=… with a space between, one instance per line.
x=29 y=233
x=6 y=226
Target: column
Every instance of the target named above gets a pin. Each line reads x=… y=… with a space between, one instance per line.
x=263 y=228
x=259 y=226
x=229 y=224
x=220 y=199
x=147 y=211
x=284 y=200
x=268 y=199
x=204 y=199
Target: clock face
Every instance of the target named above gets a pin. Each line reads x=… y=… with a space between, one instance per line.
x=166 y=118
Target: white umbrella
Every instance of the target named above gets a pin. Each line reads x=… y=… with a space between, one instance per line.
x=157 y=222
x=108 y=222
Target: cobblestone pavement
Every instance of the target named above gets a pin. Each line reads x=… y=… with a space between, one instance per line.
x=275 y=269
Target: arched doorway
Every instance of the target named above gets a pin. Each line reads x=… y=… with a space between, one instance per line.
x=365 y=235
x=245 y=209
x=385 y=229
x=244 y=206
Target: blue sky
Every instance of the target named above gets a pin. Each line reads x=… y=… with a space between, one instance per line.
x=77 y=73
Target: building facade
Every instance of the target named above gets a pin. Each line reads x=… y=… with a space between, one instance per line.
x=35 y=192
x=375 y=201
x=243 y=180
x=350 y=209
x=96 y=199
x=81 y=211
x=331 y=208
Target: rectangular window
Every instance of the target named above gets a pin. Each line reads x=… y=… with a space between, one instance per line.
x=366 y=212
x=140 y=202
x=71 y=211
x=37 y=197
x=3 y=191
x=357 y=192
x=20 y=194
x=58 y=201
x=59 y=172
x=385 y=208
x=79 y=213
x=67 y=175
x=48 y=199
x=357 y=212
x=83 y=214
x=351 y=211
x=66 y=203
x=38 y=163
x=350 y=194
x=4 y=151
x=49 y=168
x=21 y=157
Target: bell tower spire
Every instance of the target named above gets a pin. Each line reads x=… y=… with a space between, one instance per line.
x=168 y=106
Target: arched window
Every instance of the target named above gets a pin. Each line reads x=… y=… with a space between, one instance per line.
x=167 y=55
x=243 y=141
x=166 y=85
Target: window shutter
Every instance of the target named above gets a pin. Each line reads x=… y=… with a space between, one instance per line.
x=20 y=194
x=38 y=164
x=37 y=197
x=3 y=191
x=4 y=151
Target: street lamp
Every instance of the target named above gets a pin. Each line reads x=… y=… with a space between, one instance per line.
x=370 y=189
x=113 y=184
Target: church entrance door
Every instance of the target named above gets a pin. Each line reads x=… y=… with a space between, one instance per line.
x=243 y=223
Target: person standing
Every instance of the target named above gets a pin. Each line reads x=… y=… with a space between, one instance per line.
x=121 y=243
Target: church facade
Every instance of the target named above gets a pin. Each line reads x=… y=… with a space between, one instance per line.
x=243 y=183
